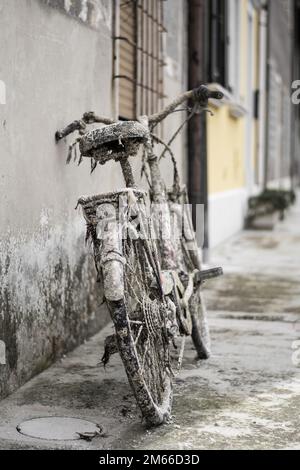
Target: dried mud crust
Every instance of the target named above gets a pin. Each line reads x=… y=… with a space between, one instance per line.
x=154 y=413
x=112 y=197
x=114 y=142
x=139 y=314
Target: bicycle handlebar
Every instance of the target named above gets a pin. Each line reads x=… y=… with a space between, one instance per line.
x=80 y=125
x=199 y=95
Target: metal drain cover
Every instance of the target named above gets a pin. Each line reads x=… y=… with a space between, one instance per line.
x=57 y=428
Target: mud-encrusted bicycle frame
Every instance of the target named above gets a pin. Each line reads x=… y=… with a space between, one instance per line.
x=150 y=380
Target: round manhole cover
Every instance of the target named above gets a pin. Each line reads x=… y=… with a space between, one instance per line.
x=57 y=428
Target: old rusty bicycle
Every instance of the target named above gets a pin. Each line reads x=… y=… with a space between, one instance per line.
x=147 y=293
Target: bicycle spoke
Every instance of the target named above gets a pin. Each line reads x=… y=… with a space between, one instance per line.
x=138 y=335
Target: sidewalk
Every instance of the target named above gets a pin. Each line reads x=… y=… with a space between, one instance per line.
x=246 y=396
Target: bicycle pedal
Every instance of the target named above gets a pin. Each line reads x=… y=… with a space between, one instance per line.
x=207 y=274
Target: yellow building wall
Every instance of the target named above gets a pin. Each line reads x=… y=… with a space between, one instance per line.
x=225 y=147
x=226 y=135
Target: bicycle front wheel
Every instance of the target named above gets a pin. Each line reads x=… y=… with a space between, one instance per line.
x=140 y=321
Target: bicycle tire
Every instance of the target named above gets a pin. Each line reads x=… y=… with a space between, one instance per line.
x=154 y=413
x=150 y=375
x=190 y=260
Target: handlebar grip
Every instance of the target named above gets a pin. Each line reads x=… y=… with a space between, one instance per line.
x=81 y=124
x=216 y=95
x=74 y=126
x=202 y=94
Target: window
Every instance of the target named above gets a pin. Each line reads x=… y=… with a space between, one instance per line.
x=140 y=53
x=224 y=44
x=234 y=40
x=218 y=42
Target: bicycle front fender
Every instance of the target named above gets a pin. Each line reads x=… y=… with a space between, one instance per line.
x=112 y=262
x=113 y=280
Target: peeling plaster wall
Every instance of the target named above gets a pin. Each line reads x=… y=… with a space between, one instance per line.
x=49 y=299
x=92 y=12
x=54 y=66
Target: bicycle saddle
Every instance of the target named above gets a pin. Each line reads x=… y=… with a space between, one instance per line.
x=114 y=141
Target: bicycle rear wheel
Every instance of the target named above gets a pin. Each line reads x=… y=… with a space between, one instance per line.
x=200 y=328
x=189 y=259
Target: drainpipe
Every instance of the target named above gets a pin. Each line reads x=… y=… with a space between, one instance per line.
x=293 y=163
x=262 y=113
x=268 y=39
x=197 y=146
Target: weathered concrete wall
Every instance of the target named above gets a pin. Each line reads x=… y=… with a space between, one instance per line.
x=54 y=66
x=91 y=12
x=56 y=63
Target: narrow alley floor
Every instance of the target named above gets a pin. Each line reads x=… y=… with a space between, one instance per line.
x=246 y=396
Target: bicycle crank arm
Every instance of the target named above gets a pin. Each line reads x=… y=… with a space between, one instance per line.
x=110 y=348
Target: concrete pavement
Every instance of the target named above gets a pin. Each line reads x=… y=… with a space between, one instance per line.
x=246 y=396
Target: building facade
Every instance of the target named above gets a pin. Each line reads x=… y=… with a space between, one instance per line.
x=251 y=141
x=236 y=132
x=279 y=104
x=295 y=128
